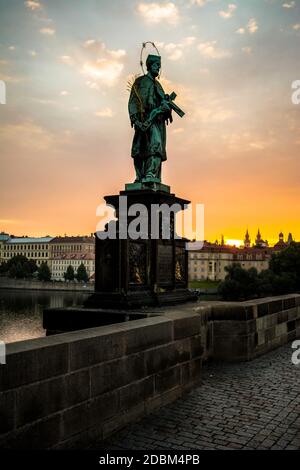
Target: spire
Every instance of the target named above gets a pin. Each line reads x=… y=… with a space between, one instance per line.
x=258 y=239
x=247 y=241
x=290 y=238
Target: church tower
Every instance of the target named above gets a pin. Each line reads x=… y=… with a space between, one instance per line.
x=258 y=240
x=247 y=240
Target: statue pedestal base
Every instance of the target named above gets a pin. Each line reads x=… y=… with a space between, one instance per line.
x=131 y=275
x=152 y=185
x=144 y=272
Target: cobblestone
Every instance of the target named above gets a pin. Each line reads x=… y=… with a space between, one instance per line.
x=253 y=405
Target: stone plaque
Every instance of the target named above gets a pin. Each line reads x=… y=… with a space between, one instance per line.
x=165 y=264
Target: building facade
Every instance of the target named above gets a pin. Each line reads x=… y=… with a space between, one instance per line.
x=36 y=249
x=3 y=239
x=72 y=251
x=209 y=262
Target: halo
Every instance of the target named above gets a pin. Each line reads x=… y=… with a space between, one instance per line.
x=141 y=55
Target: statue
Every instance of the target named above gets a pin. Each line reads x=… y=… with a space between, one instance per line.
x=150 y=109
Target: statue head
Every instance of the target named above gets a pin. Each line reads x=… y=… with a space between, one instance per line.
x=153 y=64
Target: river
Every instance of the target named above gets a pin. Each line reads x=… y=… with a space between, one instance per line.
x=21 y=311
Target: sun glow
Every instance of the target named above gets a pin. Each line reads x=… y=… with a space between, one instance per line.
x=234 y=242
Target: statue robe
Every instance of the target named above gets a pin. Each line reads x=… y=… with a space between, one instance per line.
x=146 y=95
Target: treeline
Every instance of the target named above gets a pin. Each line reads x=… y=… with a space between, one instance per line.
x=282 y=277
x=20 y=267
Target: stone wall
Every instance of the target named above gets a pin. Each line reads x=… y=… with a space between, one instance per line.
x=24 y=284
x=67 y=390
x=242 y=331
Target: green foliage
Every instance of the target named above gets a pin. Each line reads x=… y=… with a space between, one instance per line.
x=286 y=267
x=282 y=277
x=44 y=273
x=239 y=284
x=19 y=267
x=82 y=275
x=69 y=275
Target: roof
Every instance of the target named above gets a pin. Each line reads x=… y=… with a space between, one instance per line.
x=15 y=240
x=73 y=256
x=4 y=237
x=83 y=239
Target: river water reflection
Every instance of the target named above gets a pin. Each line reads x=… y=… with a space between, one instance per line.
x=21 y=311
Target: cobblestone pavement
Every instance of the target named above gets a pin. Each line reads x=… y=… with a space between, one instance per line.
x=252 y=405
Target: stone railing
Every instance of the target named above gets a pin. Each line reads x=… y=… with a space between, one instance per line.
x=69 y=389
x=72 y=388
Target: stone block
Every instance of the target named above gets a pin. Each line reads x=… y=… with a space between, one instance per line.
x=292 y=314
x=196 y=346
x=275 y=306
x=44 y=398
x=32 y=365
x=167 y=379
x=41 y=435
x=115 y=374
x=281 y=329
x=148 y=336
x=75 y=420
x=7 y=411
x=164 y=357
x=103 y=407
x=89 y=351
x=136 y=392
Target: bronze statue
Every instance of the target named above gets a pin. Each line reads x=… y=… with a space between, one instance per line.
x=149 y=110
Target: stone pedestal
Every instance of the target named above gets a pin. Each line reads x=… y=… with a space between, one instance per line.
x=134 y=273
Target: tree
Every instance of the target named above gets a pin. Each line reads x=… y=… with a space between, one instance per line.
x=69 y=275
x=239 y=283
x=44 y=273
x=82 y=274
x=286 y=267
x=20 y=267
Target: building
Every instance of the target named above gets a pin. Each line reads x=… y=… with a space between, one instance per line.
x=36 y=249
x=3 y=239
x=72 y=251
x=209 y=263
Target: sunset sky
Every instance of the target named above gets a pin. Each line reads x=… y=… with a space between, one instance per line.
x=65 y=135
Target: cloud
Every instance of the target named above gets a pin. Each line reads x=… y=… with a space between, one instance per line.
x=30 y=136
x=175 y=51
x=47 y=31
x=247 y=50
x=200 y=3
x=101 y=66
x=229 y=12
x=241 y=31
x=252 y=26
x=64 y=93
x=158 y=12
x=289 y=5
x=105 y=112
x=33 y=5
x=296 y=26
x=209 y=49
x=12 y=48
x=32 y=53
x=66 y=59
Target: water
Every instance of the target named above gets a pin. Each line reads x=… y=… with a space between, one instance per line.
x=21 y=311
